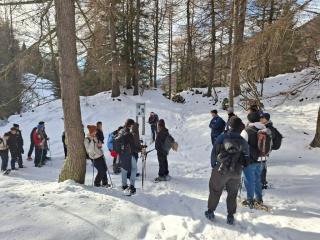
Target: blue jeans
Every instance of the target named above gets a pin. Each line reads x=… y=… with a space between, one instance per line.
x=133 y=173
x=252 y=181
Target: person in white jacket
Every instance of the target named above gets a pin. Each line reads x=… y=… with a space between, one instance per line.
x=4 y=152
x=95 y=153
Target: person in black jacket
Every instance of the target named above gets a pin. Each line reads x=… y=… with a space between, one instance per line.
x=163 y=133
x=100 y=135
x=31 y=144
x=20 y=144
x=13 y=143
x=153 y=121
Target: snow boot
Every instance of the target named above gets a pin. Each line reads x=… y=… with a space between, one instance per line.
x=230 y=219
x=132 y=189
x=160 y=179
x=209 y=214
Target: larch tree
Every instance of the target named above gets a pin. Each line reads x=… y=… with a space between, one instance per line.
x=74 y=167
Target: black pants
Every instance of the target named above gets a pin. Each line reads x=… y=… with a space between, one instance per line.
x=264 y=174
x=31 y=148
x=154 y=132
x=101 y=166
x=40 y=155
x=16 y=157
x=163 y=164
x=4 y=154
x=216 y=185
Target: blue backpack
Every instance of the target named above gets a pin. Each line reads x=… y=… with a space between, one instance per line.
x=110 y=141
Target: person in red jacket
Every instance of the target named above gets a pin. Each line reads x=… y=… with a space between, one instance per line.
x=40 y=139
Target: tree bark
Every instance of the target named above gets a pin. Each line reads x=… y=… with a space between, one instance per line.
x=213 y=49
x=156 y=44
x=316 y=141
x=189 y=47
x=114 y=54
x=75 y=164
x=170 y=48
x=136 y=51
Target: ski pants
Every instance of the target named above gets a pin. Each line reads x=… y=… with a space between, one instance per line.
x=4 y=154
x=31 y=148
x=101 y=166
x=217 y=183
x=252 y=181
x=133 y=175
x=163 y=164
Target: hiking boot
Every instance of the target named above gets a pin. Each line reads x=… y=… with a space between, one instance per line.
x=250 y=204
x=97 y=185
x=160 y=179
x=132 y=190
x=209 y=214
x=22 y=166
x=258 y=202
x=124 y=187
x=14 y=168
x=230 y=219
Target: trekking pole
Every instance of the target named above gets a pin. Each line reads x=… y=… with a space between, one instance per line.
x=92 y=172
x=142 y=158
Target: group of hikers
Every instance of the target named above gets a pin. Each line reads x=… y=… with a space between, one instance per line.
x=239 y=148
x=12 y=142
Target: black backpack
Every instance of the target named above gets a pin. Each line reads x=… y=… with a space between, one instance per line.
x=276 y=138
x=168 y=143
x=230 y=155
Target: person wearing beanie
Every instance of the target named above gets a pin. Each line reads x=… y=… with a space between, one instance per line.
x=127 y=158
x=20 y=145
x=252 y=172
x=153 y=121
x=13 y=143
x=4 y=152
x=163 y=174
x=217 y=126
x=94 y=150
x=40 y=140
x=229 y=155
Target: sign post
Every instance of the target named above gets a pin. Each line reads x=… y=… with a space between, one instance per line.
x=141 y=112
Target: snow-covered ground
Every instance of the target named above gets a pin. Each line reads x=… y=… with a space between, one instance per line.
x=34 y=206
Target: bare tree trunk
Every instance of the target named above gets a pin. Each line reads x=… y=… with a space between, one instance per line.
x=189 y=46
x=156 y=43
x=213 y=49
x=230 y=38
x=170 y=48
x=136 y=51
x=74 y=166
x=114 y=62
x=316 y=141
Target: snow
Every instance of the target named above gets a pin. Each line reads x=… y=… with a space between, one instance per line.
x=34 y=206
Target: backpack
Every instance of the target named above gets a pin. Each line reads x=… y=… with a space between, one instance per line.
x=264 y=143
x=276 y=138
x=169 y=142
x=118 y=143
x=110 y=141
x=230 y=155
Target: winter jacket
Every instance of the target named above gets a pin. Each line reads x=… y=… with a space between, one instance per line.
x=153 y=120
x=217 y=148
x=161 y=138
x=100 y=136
x=126 y=155
x=32 y=132
x=136 y=137
x=40 y=138
x=91 y=145
x=217 y=126
x=3 y=143
x=20 y=140
x=250 y=134
x=13 y=143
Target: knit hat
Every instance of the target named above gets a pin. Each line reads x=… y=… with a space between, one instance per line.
x=236 y=123
x=16 y=125
x=266 y=116
x=41 y=123
x=230 y=110
x=92 y=128
x=253 y=117
x=161 y=123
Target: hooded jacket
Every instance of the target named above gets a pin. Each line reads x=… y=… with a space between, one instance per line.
x=91 y=145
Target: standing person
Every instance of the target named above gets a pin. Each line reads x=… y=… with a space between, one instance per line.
x=94 y=150
x=100 y=135
x=217 y=126
x=116 y=165
x=230 y=153
x=126 y=156
x=163 y=133
x=252 y=173
x=4 y=152
x=40 y=142
x=20 y=144
x=153 y=121
x=31 y=144
x=14 y=148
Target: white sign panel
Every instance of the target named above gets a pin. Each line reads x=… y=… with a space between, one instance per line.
x=141 y=110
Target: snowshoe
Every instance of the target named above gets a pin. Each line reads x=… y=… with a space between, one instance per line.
x=209 y=215
x=7 y=172
x=230 y=219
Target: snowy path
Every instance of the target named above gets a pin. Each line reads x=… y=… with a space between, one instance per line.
x=34 y=206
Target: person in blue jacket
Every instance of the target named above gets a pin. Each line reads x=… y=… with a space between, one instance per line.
x=217 y=125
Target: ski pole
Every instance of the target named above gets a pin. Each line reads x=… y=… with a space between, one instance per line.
x=150 y=151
